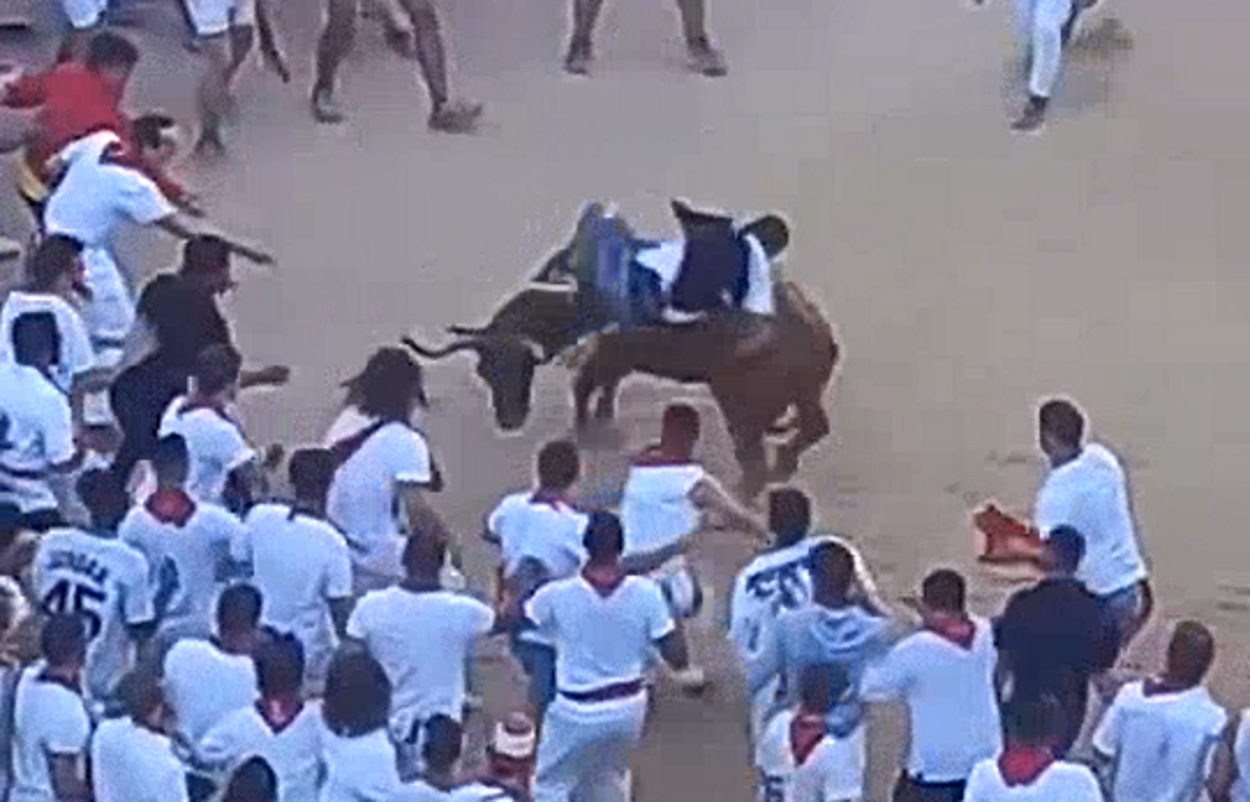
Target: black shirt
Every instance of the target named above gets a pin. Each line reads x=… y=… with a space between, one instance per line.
x=1053 y=637
x=185 y=320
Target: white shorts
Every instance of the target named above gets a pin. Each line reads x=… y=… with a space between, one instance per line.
x=681 y=587
x=84 y=14
x=215 y=17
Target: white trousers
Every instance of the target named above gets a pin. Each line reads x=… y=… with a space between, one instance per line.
x=1039 y=31
x=584 y=750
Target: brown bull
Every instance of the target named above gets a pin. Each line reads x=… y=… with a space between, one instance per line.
x=538 y=325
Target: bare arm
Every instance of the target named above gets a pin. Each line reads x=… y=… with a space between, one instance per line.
x=709 y=495
x=674 y=651
x=644 y=562
x=424 y=519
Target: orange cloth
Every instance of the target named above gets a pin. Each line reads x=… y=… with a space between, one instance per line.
x=1007 y=539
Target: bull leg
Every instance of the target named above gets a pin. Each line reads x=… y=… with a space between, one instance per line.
x=584 y=386
x=605 y=407
x=813 y=427
x=748 y=440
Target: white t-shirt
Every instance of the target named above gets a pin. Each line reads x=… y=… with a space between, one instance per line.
x=599 y=640
x=772 y=582
x=402 y=629
x=106 y=582
x=656 y=510
x=832 y=772
x=130 y=763
x=551 y=533
x=203 y=685
x=36 y=433
x=421 y=791
x=1061 y=782
x=364 y=496
x=1162 y=743
x=950 y=698
x=300 y=564
x=294 y=750
x=76 y=357
x=48 y=719
x=94 y=197
x=193 y=556
x=1090 y=493
x=216 y=446
x=358 y=769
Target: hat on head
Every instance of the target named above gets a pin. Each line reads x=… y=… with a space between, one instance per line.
x=514 y=737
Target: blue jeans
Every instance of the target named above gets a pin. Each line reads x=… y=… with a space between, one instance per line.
x=1122 y=608
x=539 y=662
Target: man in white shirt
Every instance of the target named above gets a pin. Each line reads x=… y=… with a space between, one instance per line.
x=385 y=471
x=798 y=760
x=606 y=625
x=94 y=575
x=945 y=675
x=404 y=625
x=186 y=543
x=225 y=468
x=281 y=727
x=51 y=727
x=543 y=525
x=132 y=759
x=1087 y=490
x=1158 y=737
x=205 y=680
x=301 y=563
x=53 y=272
x=1026 y=770
x=100 y=190
x=509 y=763
x=667 y=494
x=36 y=423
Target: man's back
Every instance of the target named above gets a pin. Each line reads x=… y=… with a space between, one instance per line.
x=1160 y=741
x=36 y=432
x=204 y=684
x=76 y=356
x=215 y=444
x=131 y=763
x=103 y=580
x=797 y=761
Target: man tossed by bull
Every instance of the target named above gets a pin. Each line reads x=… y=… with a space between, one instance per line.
x=718 y=272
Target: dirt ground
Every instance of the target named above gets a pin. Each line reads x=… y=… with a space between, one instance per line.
x=968 y=271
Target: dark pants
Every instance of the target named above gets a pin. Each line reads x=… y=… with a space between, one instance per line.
x=40 y=520
x=539 y=663
x=138 y=398
x=910 y=789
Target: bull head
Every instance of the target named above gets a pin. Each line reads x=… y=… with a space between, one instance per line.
x=505 y=362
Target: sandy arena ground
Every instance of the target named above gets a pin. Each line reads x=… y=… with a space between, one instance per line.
x=969 y=271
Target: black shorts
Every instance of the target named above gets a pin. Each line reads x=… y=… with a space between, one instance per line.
x=40 y=520
x=910 y=789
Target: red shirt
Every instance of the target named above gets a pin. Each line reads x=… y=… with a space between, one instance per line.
x=74 y=102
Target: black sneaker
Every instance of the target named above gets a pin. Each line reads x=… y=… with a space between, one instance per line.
x=1032 y=118
x=577 y=61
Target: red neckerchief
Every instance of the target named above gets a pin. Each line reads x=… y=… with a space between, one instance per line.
x=195 y=403
x=605 y=579
x=551 y=498
x=170 y=506
x=1022 y=765
x=958 y=630
x=1161 y=686
x=279 y=713
x=654 y=456
x=806 y=732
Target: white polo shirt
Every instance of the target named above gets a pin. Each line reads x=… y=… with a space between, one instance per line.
x=1241 y=757
x=130 y=763
x=833 y=771
x=358 y=769
x=300 y=564
x=402 y=629
x=104 y=580
x=193 y=556
x=1060 y=782
x=1090 y=493
x=36 y=433
x=48 y=719
x=950 y=698
x=364 y=496
x=600 y=640
x=550 y=532
x=293 y=750
x=421 y=791
x=1161 y=743
x=656 y=510
x=774 y=581
x=203 y=685
x=76 y=356
x=215 y=443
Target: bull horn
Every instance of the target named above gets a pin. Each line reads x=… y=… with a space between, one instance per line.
x=440 y=353
x=469 y=331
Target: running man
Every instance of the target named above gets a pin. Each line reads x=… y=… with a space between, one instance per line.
x=413 y=28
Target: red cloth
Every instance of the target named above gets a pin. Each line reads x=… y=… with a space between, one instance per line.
x=654 y=456
x=806 y=732
x=1022 y=765
x=279 y=713
x=604 y=579
x=74 y=102
x=170 y=507
x=956 y=629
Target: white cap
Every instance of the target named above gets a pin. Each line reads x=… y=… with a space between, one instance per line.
x=514 y=737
